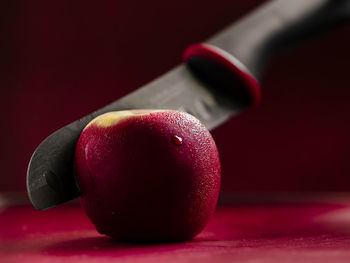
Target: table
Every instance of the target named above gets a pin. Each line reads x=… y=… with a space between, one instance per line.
x=251 y=232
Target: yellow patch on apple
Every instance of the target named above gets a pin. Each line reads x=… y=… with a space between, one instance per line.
x=111 y=118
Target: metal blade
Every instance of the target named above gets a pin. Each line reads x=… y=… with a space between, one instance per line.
x=50 y=176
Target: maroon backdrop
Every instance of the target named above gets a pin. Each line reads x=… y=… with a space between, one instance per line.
x=63 y=59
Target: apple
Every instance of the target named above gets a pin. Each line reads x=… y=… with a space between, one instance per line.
x=148 y=175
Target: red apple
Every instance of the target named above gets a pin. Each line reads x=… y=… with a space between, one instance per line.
x=148 y=175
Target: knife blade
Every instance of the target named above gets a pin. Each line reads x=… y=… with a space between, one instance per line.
x=50 y=180
x=218 y=81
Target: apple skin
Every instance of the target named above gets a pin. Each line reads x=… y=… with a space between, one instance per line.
x=140 y=183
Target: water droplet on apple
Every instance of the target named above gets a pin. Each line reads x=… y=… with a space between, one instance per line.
x=176 y=139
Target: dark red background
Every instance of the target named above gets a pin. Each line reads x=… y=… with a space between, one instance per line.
x=63 y=59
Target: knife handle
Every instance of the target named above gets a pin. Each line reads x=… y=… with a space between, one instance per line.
x=245 y=47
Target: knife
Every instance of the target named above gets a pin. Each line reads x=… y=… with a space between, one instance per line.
x=217 y=80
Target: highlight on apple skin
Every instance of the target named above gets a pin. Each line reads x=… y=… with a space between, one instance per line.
x=148 y=175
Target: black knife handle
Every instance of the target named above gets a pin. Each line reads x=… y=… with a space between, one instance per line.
x=236 y=56
x=275 y=26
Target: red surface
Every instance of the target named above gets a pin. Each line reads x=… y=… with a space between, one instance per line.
x=137 y=184
x=308 y=232
x=63 y=59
